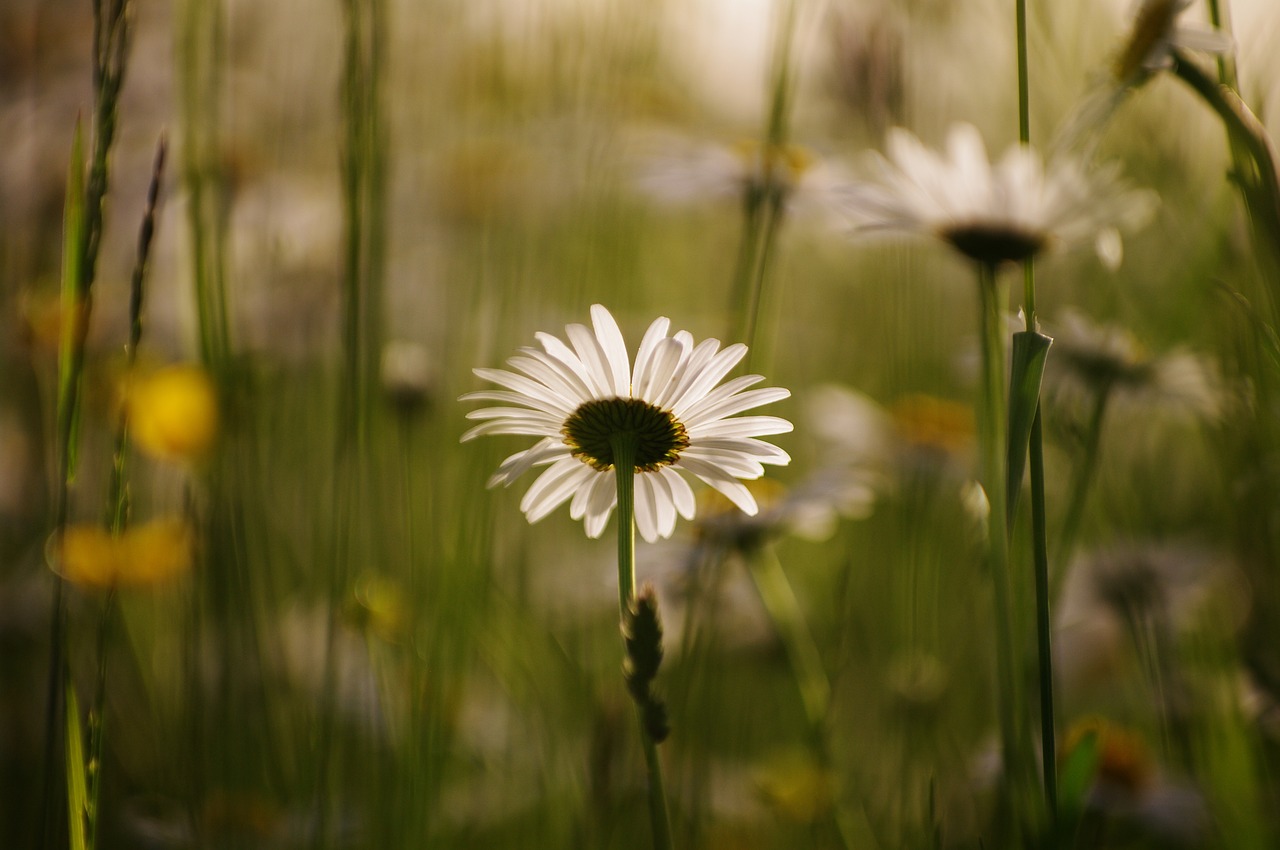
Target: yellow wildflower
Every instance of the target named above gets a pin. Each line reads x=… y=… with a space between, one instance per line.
x=149 y=553
x=173 y=413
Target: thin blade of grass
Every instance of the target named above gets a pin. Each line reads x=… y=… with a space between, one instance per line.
x=72 y=339
x=77 y=787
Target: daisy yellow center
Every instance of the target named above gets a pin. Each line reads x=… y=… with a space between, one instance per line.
x=994 y=244
x=591 y=431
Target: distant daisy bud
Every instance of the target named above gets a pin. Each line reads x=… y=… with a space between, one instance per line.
x=408 y=376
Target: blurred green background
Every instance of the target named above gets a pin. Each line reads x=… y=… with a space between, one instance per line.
x=370 y=649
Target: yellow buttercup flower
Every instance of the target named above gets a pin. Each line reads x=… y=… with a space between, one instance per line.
x=149 y=553
x=173 y=413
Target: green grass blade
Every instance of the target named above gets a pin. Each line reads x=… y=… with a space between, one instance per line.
x=77 y=787
x=73 y=312
x=1029 y=351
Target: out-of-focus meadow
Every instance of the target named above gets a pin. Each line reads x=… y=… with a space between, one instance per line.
x=292 y=615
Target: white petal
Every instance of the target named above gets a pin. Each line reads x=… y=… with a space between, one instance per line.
x=646 y=508
x=554 y=487
x=558 y=351
x=519 y=463
x=517 y=398
x=708 y=377
x=732 y=489
x=733 y=464
x=556 y=374
x=720 y=393
x=665 y=503
x=667 y=356
x=601 y=497
x=655 y=334
x=1110 y=248
x=518 y=414
x=1202 y=38
x=599 y=374
x=734 y=404
x=520 y=384
x=688 y=373
x=615 y=349
x=744 y=426
x=764 y=452
x=507 y=426
x=681 y=492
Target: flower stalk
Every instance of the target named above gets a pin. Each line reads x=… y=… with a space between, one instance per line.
x=624 y=453
x=1033 y=445
x=992 y=430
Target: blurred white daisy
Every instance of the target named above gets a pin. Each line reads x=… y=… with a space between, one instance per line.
x=1156 y=32
x=1092 y=360
x=1008 y=211
x=583 y=398
x=681 y=171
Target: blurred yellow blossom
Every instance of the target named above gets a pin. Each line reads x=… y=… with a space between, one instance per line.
x=929 y=422
x=90 y=555
x=1123 y=759
x=173 y=412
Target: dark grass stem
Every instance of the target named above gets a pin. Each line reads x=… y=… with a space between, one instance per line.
x=624 y=451
x=1044 y=623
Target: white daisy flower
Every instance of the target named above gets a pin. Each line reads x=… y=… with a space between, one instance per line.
x=1091 y=360
x=583 y=398
x=1155 y=34
x=1008 y=211
x=680 y=171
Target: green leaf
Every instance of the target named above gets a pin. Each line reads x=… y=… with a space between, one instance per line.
x=1075 y=775
x=1030 y=349
x=77 y=788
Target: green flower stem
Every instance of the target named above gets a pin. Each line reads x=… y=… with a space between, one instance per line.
x=1226 y=61
x=806 y=662
x=991 y=417
x=1080 y=485
x=1024 y=90
x=1040 y=553
x=624 y=452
